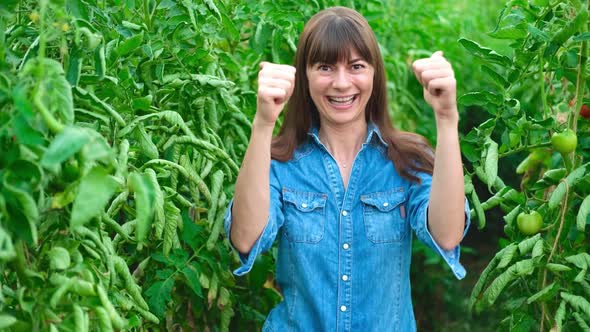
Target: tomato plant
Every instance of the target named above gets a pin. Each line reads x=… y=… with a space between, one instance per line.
x=537 y=279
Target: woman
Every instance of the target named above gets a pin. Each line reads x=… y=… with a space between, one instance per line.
x=340 y=188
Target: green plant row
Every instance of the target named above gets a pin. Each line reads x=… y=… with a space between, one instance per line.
x=538 y=279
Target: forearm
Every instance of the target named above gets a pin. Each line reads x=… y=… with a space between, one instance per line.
x=252 y=193
x=446 y=216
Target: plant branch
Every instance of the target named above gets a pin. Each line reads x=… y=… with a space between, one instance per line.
x=524 y=148
x=555 y=242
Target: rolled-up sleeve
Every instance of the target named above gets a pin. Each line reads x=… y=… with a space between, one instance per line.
x=269 y=233
x=418 y=198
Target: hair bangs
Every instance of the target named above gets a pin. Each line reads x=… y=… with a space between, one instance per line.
x=335 y=39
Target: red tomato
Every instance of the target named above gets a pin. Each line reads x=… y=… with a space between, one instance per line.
x=585 y=111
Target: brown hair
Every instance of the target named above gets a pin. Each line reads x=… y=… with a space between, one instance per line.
x=328 y=37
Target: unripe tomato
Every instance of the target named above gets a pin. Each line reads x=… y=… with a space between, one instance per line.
x=564 y=142
x=529 y=223
x=34 y=17
x=585 y=111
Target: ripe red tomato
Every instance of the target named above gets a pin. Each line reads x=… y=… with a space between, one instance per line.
x=585 y=111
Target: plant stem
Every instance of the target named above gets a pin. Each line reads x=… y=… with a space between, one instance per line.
x=542 y=81
x=524 y=148
x=42 y=41
x=555 y=242
x=580 y=83
x=146 y=14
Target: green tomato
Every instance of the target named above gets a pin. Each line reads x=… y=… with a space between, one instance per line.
x=564 y=142
x=529 y=223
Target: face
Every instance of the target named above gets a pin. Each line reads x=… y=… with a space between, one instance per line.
x=341 y=91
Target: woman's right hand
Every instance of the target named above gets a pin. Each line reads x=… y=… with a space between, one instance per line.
x=275 y=86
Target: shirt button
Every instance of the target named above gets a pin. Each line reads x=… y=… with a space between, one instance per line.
x=386 y=204
x=345 y=246
x=303 y=205
x=344 y=277
x=344 y=213
x=343 y=308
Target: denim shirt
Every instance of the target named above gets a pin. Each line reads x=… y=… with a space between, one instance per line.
x=344 y=253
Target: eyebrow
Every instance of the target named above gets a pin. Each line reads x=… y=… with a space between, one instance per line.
x=355 y=60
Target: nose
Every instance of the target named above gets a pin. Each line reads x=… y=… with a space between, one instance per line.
x=341 y=79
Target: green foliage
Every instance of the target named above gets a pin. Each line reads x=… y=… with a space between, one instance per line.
x=545 y=70
x=123 y=124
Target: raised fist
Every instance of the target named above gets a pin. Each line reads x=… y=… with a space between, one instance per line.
x=275 y=86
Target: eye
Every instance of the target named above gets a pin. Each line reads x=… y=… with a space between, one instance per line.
x=358 y=66
x=323 y=67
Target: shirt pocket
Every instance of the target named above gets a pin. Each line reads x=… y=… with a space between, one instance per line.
x=304 y=215
x=384 y=216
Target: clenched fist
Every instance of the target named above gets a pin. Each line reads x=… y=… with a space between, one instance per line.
x=275 y=86
x=438 y=79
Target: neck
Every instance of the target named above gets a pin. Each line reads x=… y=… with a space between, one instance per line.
x=343 y=142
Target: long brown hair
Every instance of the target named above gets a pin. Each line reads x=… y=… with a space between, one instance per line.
x=327 y=38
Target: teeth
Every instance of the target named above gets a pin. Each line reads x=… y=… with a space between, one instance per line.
x=341 y=100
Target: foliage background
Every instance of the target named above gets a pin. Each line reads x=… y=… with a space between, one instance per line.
x=122 y=126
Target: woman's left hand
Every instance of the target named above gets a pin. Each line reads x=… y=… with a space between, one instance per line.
x=440 y=87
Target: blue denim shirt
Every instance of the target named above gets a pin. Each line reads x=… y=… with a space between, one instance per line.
x=344 y=253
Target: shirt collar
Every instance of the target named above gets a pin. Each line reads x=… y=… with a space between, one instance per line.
x=372 y=130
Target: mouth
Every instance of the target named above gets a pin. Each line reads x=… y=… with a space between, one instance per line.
x=342 y=101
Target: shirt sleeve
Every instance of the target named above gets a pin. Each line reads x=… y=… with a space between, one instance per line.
x=269 y=233
x=418 y=199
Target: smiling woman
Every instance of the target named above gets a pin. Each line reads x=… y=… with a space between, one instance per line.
x=341 y=188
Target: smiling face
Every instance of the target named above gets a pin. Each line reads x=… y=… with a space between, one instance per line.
x=341 y=90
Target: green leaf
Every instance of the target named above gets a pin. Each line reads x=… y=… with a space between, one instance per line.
x=491 y=162
x=145 y=142
x=142 y=103
x=7 y=252
x=485 y=53
x=74 y=66
x=582 y=37
x=25 y=134
x=538 y=34
x=173 y=217
x=159 y=295
x=583 y=214
x=527 y=245
x=144 y=191
x=509 y=253
x=59 y=258
x=578 y=302
x=96 y=188
x=572 y=179
x=7 y=321
x=497 y=78
x=554 y=267
x=580 y=320
x=192 y=279
x=480 y=98
x=544 y=294
x=23 y=204
x=581 y=260
x=130 y=44
x=54 y=92
x=481 y=217
x=65 y=145
x=159 y=215
x=511 y=26
x=98 y=149
x=560 y=315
